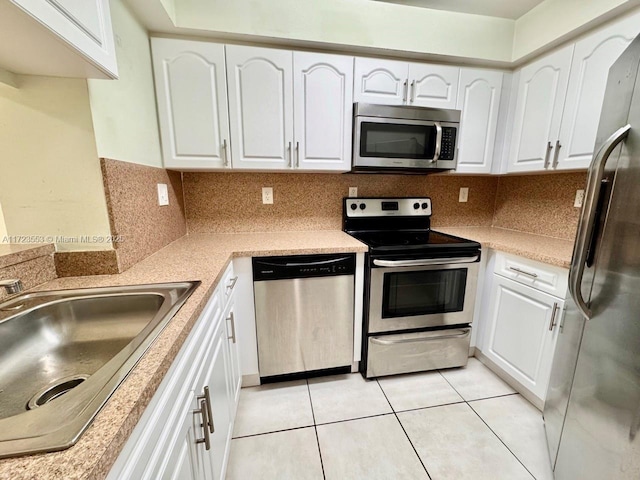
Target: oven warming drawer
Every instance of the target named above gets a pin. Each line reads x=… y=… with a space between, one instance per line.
x=415 y=352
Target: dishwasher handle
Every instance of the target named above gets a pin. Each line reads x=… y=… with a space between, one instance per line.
x=305 y=264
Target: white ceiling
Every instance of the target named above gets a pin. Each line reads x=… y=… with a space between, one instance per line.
x=493 y=8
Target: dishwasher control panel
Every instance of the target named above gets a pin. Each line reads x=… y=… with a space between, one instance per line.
x=303 y=266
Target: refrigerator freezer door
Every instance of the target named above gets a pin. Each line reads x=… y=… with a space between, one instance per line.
x=600 y=434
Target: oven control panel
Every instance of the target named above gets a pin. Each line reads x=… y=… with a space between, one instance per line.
x=388 y=207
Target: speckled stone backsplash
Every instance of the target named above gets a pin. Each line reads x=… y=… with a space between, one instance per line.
x=31 y=264
x=140 y=226
x=541 y=204
x=232 y=202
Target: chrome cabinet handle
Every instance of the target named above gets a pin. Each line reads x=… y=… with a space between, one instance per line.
x=206 y=439
x=424 y=261
x=556 y=154
x=532 y=275
x=552 y=323
x=412 y=91
x=436 y=154
x=224 y=152
x=546 y=155
x=290 y=149
x=297 y=154
x=207 y=398
x=588 y=218
x=232 y=283
x=233 y=327
x=404 y=91
x=418 y=339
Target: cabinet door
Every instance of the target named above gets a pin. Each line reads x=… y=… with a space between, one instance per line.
x=433 y=85
x=186 y=458
x=479 y=102
x=191 y=91
x=323 y=102
x=85 y=24
x=216 y=379
x=260 y=107
x=592 y=58
x=380 y=81
x=235 y=373
x=538 y=112
x=519 y=338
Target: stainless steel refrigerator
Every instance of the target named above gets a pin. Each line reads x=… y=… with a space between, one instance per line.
x=592 y=411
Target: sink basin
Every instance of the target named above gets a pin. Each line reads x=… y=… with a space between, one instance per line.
x=63 y=353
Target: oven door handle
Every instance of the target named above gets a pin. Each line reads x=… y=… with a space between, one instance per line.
x=419 y=339
x=423 y=262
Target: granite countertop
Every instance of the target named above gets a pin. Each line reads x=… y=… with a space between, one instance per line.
x=554 y=251
x=12 y=253
x=194 y=257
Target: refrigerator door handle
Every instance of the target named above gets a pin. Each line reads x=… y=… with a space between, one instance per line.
x=588 y=218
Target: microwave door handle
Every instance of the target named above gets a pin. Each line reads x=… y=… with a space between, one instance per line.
x=436 y=154
x=586 y=227
x=423 y=262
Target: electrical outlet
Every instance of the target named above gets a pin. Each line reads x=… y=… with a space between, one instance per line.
x=579 y=199
x=163 y=194
x=267 y=195
x=464 y=194
x=353 y=192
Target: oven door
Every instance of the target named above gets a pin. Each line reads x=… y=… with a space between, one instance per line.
x=408 y=294
x=399 y=143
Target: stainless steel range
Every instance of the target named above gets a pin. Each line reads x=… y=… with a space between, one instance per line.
x=420 y=287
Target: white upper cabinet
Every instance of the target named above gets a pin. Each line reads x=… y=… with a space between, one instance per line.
x=47 y=31
x=433 y=85
x=479 y=101
x=390 y=82
x=191 y=91
x=323 y=102
x=260 y=107
x=383 y=82
x=538 y=112
x=592 y=58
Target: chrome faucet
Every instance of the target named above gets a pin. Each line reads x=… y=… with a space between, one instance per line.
x=12 y=285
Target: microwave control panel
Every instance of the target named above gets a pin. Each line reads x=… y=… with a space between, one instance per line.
x=448 y=145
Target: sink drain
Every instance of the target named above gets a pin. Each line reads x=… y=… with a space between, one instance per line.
x=55 y=390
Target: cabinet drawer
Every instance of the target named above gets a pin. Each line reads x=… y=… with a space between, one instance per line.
x=543 y=277
x=414 y=352
x=228 y=283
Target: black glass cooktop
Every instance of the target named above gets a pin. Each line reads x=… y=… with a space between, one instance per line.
x=406 y=240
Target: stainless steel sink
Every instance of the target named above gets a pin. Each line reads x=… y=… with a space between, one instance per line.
x=63 y=353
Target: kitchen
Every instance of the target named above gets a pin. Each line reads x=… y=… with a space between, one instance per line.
x=225 y=187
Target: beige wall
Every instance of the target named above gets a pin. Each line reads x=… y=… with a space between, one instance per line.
x=355 y=23
x=124 y=110
x=551 y=21
x=3 y=227
x=50 y=181
x=398 y=30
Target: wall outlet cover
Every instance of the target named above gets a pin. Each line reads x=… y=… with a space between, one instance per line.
x=163 y=194
x=267 y=195
x=353 y=192
x=464 y=194
x=579 y=199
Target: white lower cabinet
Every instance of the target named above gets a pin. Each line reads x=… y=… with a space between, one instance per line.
x=185 y=432
x=521 y=332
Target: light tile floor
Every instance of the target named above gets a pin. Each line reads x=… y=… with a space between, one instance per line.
x=454 y=424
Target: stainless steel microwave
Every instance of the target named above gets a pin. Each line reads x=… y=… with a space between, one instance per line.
x=404 y=139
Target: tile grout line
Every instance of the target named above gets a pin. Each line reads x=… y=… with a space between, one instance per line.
x=501 y=441
x=402 y=427
x=315 y=428
x=487 y=425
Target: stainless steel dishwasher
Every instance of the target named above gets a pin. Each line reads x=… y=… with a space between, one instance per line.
x=304 y=313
